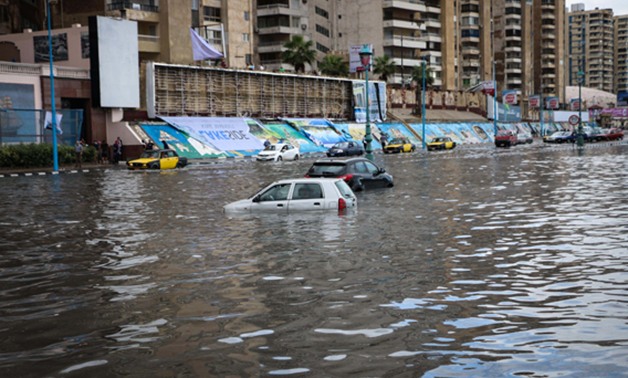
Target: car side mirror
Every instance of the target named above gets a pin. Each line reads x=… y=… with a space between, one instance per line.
x=256 y=198
x=381 y=170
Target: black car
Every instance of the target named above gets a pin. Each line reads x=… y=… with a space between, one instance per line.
x=349 y=148
x=359 y=173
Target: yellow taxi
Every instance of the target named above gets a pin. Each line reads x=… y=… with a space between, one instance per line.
x=158 y=159
x=441 y=143
x=399 y=145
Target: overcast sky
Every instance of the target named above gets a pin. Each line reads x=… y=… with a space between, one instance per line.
x=619 y=7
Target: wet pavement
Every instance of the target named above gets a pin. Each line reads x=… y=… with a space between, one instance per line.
x=478 y=263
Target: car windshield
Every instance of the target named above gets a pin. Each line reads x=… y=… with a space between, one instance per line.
x=149 y=154
x=398 y=141
x=341 y=145
x=326 y=169
x=504 y=132
x=272 y=147
x=436 y=140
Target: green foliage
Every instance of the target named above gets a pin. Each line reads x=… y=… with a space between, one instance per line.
x=299 y=52
x=40 y=155
x=384 y=66
x=334 y=65
x=417 y=76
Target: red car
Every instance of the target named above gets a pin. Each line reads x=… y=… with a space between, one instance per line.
x=505 y=138
x=612 y=134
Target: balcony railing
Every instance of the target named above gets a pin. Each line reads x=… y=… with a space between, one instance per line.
x=136 y=5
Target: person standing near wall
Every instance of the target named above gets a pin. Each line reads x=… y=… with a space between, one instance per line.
x=78 y=150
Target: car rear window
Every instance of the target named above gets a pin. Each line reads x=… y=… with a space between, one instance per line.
x=326 y=169
x=344 y=189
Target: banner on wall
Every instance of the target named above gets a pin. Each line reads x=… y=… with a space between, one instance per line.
x=534 y=101
x=377 y=101
x=224 y=133
x=509 y=97
x=355 y=64
x=574 y=104
x=552 y=103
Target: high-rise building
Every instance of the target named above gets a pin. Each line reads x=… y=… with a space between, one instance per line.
x=591 y=48
x=621 y=53
x=163 y=25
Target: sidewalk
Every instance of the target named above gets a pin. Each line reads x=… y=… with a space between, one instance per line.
x=43 y=171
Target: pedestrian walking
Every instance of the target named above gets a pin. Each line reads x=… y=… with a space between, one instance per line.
x=117 y=151
x=78 y=150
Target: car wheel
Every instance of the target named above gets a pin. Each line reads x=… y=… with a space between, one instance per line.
x=296 y=157
x=357 y=186
x=279 y=158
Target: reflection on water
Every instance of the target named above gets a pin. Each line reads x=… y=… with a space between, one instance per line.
x=477 y=263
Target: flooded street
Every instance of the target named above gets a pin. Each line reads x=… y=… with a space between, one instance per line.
x=478 y=263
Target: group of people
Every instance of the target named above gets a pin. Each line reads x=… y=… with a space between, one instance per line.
x=149 y=145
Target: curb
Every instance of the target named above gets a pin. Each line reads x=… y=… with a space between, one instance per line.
x=43 y=173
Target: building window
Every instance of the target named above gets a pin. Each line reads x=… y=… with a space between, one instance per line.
x=247 y=16
x=211 y=14
x=246 y=37
x=322 y=12
x=322 y=48
x=322 y=30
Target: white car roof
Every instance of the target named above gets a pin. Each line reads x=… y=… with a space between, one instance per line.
x=306 y=180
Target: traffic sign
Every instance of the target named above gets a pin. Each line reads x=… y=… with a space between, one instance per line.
x=573 y=120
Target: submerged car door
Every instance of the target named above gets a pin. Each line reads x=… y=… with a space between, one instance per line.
x=274 y=198
x=307 y=196
x=369 y=174
x=168 y=160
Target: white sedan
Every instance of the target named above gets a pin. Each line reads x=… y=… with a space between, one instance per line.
x=302 y=194
x=279 y=152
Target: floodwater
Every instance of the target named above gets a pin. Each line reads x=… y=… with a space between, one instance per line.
x=478 y=263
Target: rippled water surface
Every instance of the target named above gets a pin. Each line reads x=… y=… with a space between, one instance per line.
x=478 y=263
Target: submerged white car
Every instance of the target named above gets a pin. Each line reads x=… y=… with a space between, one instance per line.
x=301 y=194
x=279 y=152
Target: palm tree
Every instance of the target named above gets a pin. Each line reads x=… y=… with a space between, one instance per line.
x=334 y=65
x=417 y=76
x=298 y=53
x=384 y=67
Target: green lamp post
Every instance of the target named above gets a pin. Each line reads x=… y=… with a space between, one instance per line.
x=365 y=59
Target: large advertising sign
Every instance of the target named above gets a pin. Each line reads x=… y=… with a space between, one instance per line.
x=574 y=104
x=376 y=99
x=224 y=133
x=622 y=98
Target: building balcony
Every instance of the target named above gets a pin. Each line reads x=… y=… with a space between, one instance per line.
x=513 y=81
x=549 y=75
x=271 y=47
x=405 y=42
x=549 y=27
x=276 y=10
x=407 y=62
x=512 y=49
x=514 y=71
x=470 y=63
x=513 y=38
x=136 y=5
x=432 y=37
x=288 y=30
x=548 y=16
x=148 y=43
x=470 y=51
x=411 y=5
x=402 y=24
x=469 y=39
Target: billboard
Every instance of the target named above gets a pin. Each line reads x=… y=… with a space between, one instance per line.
x=622 y=98
x=574 y=104
x=509 y=97
x=552 y=103
x=376 y=101
x=534 y=101
x=355 y=65
x=114 y=62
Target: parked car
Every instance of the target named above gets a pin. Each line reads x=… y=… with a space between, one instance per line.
x=613 y=134
x=524 y=138
x=505 y=138
x=359 y=173
x=399 y=145
x=610 y=134
x=158 y=159
x=300 y=194
x=278 y=152
x=560 y=137
x=441 y=143
x=349 y=148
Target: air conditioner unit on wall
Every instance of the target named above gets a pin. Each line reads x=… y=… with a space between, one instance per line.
x=303 y=26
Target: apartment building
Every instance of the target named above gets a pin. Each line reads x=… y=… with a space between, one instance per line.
x=548 y=19
x=621 y=53
x=474 y=53
x=163 y=25
x=591 y=48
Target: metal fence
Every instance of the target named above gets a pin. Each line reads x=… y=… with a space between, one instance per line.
x=27 y=126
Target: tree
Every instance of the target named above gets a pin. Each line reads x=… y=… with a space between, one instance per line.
x=334 y=65
x=417 y=76
x=298 y=53
x=384 y=67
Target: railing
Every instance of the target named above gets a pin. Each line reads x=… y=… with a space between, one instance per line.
x=126 y=4
x=43 y=70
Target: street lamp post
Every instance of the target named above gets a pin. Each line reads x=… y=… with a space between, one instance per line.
x=365 y=58
x=494 y=80
x=423 y=102
x=580 y=137
x=55 y=154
